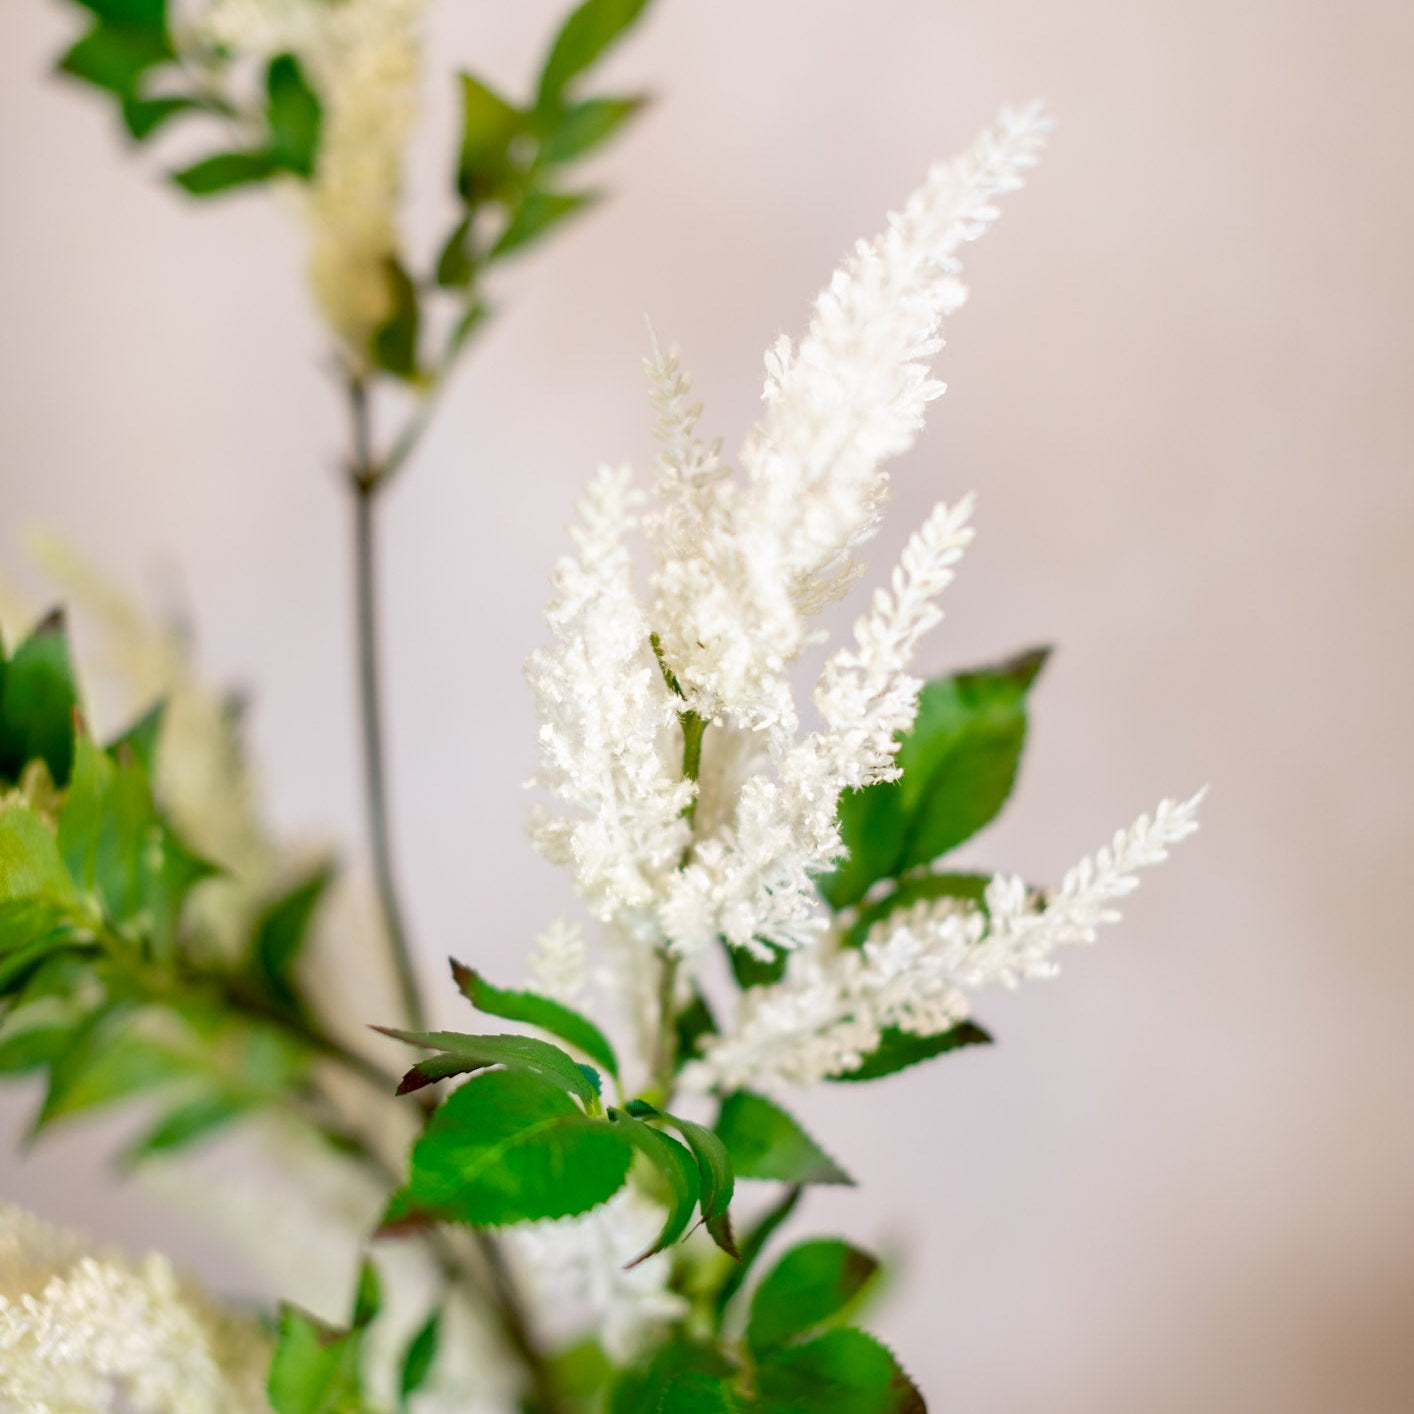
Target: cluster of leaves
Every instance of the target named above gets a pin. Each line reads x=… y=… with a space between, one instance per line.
x=106 y=987
x=511 y=170
x=511 y=166
x=130 y=53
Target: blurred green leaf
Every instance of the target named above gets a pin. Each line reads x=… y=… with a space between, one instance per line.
x=143 y=116
x=490 y=125
x=395 y=341
x=580 y=127
x=281 y=933
x=38 y=701
x=814 y=1283
x=115 y=57
x=456 y=267
x=753 y=1244
x=419 y=1358
x=589 y=30
x=844 y=1371
x=225 y=171
x=315 y=1367
x=536 y=215
x=763 y=1141
x=183 y=1125
x=294 y=114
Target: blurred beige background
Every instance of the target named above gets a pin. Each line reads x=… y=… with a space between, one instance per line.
x=1185 y=1178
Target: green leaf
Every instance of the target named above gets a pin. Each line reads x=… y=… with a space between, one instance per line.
x=752 y=971
x=559 y=1020
x=30 y=866
x=294 y=114
x=815 y=1282
x=763 y=1141
x=141 y=738
x=456 y=267
x=537 y=213
x=715 y=1178
x=368 y=1297
x=509 y=1146
x=916 y=889
x=38 y=701
x=700 y=1394
x=419 y=1358
x=490 y=126
x=115 y=57
x=281 y=933
x=691 y=1024
x=395 y=341
x=580 y=127
x=678 y=1169
x=641 y=1390
x=184 y=1125
x=752 y=1246
x=899 y=1049
x=470 y=1053
x=108 y=1062
x=226 y=171
x=132 y=14
x=844 y=1371
x=314 y=1369
x=959 y=764
x=590 y=29
x=143 y=116
x=470 y=321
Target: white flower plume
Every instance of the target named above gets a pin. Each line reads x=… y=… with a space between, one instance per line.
x=688 y=801
x=918 y=966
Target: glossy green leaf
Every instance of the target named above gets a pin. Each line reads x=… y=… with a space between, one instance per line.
x=395 y=341
x=490 y=125
x=677 y=1168
x=552 y=1016
x=763 y=1141
x=842 y=1371
x=715 y=1179
x=465 y=1053
x=642 y=1389
x=38 y=701
x=510 y=1146
x=959 y=764
x=419 y=1358
x=814 y=1283
x=589 y=30
x=701 y=1394
x=536 y=214
x=580 y=127
x=294 y=115
x=226 y=171
x=898 y=1050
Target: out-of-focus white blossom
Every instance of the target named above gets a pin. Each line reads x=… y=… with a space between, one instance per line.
x=918 y=966
x=559 y=961
x=362 y=58
x=99 y=1334
x=578 y=1270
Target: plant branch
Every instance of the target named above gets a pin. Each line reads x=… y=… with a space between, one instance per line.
x=366 y=477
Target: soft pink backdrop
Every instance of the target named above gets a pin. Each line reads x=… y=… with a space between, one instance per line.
x=1185 y=1178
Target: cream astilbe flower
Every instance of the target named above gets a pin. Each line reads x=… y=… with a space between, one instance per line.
x=918 y=966
x=99 y=1334
x=362 y=57
x=734 y=597
x=741 y=564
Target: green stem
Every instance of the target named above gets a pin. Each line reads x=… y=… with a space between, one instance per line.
x=366 y=477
